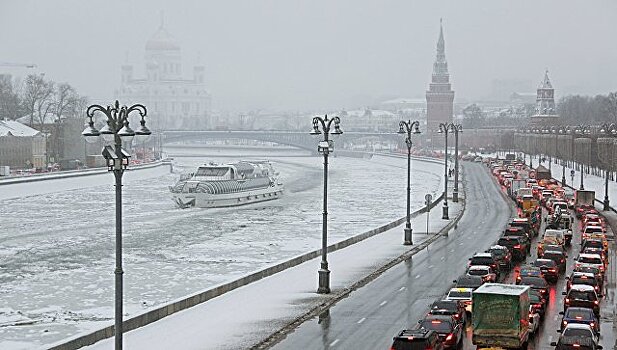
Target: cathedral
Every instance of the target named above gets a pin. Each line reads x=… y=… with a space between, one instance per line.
x=172 y=101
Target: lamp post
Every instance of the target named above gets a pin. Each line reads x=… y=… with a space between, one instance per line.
x=445 y=128
x=117 y=160
x=408 y=127
x=325 y=147
x=609 y=130
x=456 y=128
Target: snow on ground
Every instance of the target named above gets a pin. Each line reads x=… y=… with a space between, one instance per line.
x=249 y=314
x=57 y=261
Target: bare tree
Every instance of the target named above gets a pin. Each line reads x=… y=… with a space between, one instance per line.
x=10 y=102
x=611 y=105
x=64 y=100
x=37 y=98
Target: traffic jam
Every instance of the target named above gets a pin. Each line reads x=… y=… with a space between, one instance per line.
x=540 y=286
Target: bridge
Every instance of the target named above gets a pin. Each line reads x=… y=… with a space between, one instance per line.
x=299 y=139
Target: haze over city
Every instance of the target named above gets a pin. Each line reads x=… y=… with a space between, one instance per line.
x=305 y=55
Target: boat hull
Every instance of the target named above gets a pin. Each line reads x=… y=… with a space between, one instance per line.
x=207 y=200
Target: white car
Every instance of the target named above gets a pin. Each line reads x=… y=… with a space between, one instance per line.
x=534 y=321
x=579 y=330
x=461 y=294
x=591 y=259
x=486 y=272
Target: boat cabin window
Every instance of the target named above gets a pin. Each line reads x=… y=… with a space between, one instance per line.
x=212 y=171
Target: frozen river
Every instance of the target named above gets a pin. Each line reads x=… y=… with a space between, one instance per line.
x=57 y=238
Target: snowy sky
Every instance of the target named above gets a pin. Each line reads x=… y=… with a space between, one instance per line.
x=304 y=54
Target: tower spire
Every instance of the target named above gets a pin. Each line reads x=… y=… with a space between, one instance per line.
x=440 y=67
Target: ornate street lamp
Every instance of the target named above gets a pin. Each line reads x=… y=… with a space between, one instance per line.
x=608 y=156
x=445 y=128
x=408 y=127
x=117 y=159
x=325 y=147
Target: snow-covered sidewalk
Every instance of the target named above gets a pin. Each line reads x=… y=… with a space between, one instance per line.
x=247 y=315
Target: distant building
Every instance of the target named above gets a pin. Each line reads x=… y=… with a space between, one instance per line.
x=439 y=97
x=172 y=101
x=545 y=113
x=369 y=120
x=21 y=146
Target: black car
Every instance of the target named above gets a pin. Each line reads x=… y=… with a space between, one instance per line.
x=549 y=269
x=517 y=246
x=579 y=315
x=582 y=296
x=450 y=332
x=485 y=259
x=584 y=278
x=467 y=281
x=537 y=283
x=575 y=343
x=558 y=257
x=518 y=232
x=417 y=339
x=449 y=307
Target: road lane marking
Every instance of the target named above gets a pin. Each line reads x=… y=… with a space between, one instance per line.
x=451 y=250
x=383 y=303
x=458 y=244
x=550 y=339
x=401 y=289
x=418 y=276
x=443 y=258
x=430 y=266
x=334 y=342
x=362 y=320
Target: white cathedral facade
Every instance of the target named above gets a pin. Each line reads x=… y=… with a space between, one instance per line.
x=173 y=102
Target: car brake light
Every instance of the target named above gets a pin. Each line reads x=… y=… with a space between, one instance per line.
x=518 y=246
x=565 y=323
x=579 y=317
x=410 y=338
x=592 y=324
x=435 y=322
x=567 y=301
x=596 y=302
x=576 y=345
x=449 y=337
x=552 y=269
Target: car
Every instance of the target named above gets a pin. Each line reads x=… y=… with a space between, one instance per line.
x=591 y=259
x=525 y=225
x=478 y=159
x=585 y=208
x=579 y=315
x=549 y=269
x=503 y=256
x=517 y=232
x=558 y=257
x=576 y=337
x=588 y=231
x=559 y=235
x=463 y=295
x=449 y=330
x=527 y=270
x=466 y=281
x=534 y=321
x=537 y=283
x=517 y=246
x=452 y=308
x=537 y=302
x=485 y=259
x=486 y=272
x=594 y=243
x=583 y=296
x=591 y=269
x=596 y=251
x=583 y=278
x=417 y=339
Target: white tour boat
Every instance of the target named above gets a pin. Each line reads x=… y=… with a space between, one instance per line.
x=227 y=185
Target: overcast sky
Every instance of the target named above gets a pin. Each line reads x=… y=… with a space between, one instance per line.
x=306 y=54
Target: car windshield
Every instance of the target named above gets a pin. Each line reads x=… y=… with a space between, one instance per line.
x=590 y=260
x=444 y=306
x=481 y=260
x=499 y=253
x=534 y=282
x=534 y=298
x=580 y=314
x=583 y=280
x=593 y=244
x=437 y=325
x=588 y=269
x=459 y=294
x=477 y=272
x=553 y=255
x=581 y=295
x=544 y=263
x=577 y=332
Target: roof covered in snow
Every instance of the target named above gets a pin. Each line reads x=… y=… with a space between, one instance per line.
x=14 y=128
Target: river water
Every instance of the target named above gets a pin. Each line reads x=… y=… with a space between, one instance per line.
x=57 y=238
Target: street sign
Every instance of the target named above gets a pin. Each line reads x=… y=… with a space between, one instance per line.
x=572 y=172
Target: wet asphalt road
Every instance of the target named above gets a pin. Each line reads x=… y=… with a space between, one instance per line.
x=371 y=316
